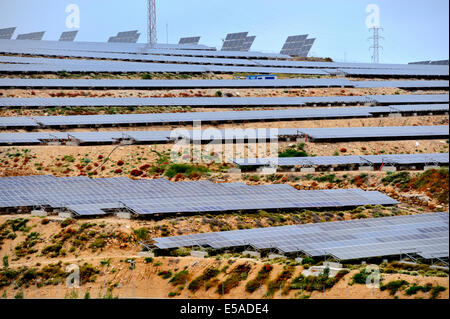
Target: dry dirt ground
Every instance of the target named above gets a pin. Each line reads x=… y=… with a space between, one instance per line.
x=114 y=277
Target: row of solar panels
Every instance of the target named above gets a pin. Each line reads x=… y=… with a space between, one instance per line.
x=228 y=101
x=362 y=160
x=201 y=65
x=243 y=135
x=208 y=117
x=86 y=197
x=201 y=57
x=6 y=83
x=134 y=48
x=425 y=235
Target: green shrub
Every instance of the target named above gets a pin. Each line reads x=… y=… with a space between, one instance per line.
x=238 y=274
x=436 y=290
x=202 y=280
x=394 y=286
x=277 y=284
x=185 y=169
x=259 y=280
x=165 y=274
x=180 y=278
x=141 y=233
x=414 y=289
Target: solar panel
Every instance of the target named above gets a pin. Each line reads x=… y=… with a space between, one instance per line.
x=169 y=84
x=11 y=46
x=234 y=41
x=246 y=46
x=68 y=36
x=294 y=45
x=313 y=134
x=87 y=197
x=7 y=33
x=425 y=235
x=189 y=40
x=125 y=37
x=395 y=159
x=31 y=36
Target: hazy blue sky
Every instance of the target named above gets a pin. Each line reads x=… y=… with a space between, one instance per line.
x=413 y=29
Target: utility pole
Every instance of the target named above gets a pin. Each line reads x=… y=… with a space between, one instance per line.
x=376 y=44
x=151 y=27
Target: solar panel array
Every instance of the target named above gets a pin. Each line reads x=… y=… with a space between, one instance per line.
x=438 y=62
x=190 y=40
x=234 y=41
x=312 y=134
x=7 y=33
x=85 y=196
x=227 y=101
x=68 y=36
x=426 y=235
x=190 y=117
x=126 y=37
x=169 y=84
x=247 y=45
x=375 y=133
x=31 y=36
x=362 y=160
x=297 y=45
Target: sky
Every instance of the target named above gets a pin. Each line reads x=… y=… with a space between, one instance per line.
x=413 y=30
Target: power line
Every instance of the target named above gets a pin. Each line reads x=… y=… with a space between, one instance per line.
x=151 y=27
x=376 y=44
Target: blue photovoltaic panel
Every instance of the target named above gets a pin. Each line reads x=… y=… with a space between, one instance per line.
x=137 y=48
x=68 y=36
x=362 y=133
x=88 y=197
x=189 y=117
x=217 y=102
x=425 y=235
x=314 y=134
x=400 y=159
x=7 y=33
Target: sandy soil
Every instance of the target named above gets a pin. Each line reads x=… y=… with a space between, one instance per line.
x=148 y=284
x=212 y=92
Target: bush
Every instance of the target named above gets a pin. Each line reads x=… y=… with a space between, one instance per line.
x=436 y=290
x=260 y=279
x=202 y=280
x=141 y=233
x=180 y=278
x=308 y=261
x=291 y=152
x=165 y=274
x=66 y=222
x=55 y=249
x=185 y=169
x=218 y=94
x=238 y=274
x=394 y=286
x=360 y=278
x=414 y=289
x=88 y=273
x=276 y=284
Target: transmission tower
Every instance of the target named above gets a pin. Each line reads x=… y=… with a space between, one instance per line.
x=376 y=44
x=151 y=28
